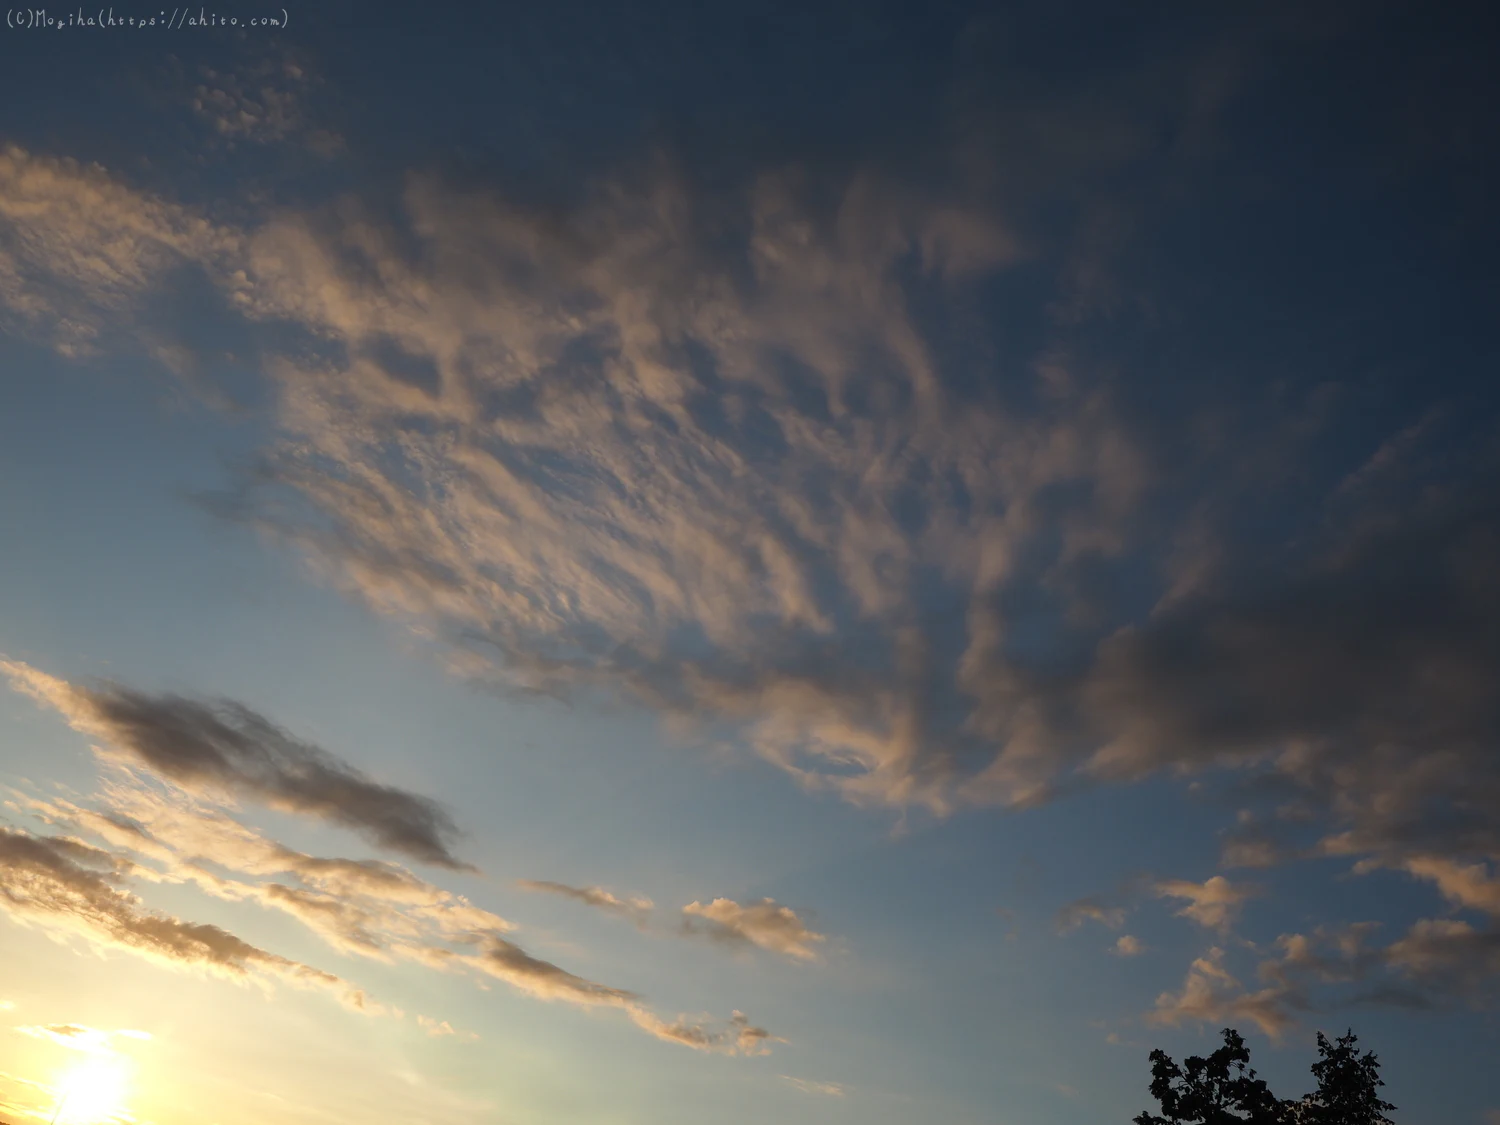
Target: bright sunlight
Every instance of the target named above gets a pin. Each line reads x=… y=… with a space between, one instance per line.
x=92 y=1092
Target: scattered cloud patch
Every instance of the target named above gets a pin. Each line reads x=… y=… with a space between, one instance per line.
x=808 y=1086
x=1214 y=903
x=1088 y=909
x=765 y=924
x=1210 y=994
x=737 y=1036
x=262 y=102
x=442 y=1029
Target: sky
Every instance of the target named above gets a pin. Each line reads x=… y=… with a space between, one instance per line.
x=824 y=562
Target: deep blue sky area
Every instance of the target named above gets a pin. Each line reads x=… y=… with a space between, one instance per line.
x=810 y=562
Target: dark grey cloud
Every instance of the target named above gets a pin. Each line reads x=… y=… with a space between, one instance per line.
x=227 y=745
x=1361 y=683
x=510 y=963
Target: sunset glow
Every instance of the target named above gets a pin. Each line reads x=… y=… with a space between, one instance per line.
x=92 y=1092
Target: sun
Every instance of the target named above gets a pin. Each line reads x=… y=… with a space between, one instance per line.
x=92 y=1092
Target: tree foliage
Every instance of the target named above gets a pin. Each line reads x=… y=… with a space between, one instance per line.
x=1348 y=1090
x=1218 y=1090
x=1222 y=1089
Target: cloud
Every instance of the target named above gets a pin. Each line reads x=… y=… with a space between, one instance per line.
x=1211 y=995
x=76 y=1037
x=227 y=746
x=368 y=908
x=509 y=962
x=545 y=981
x=262 y=102
x=808 y=1086
x=1214 y=903
x=80 y=251
x=596 y=454
x=738 y=1036
x=1436 y=963
x=442 y=1029
x=636 y=907
x=68 y=886
x=707 y=453
x=766 y=924
x=365 y=908
x=1449 y=956
x=596 y=457
x=712 y=453
x=1355 y=684
x=1128 y=946
x=38 y=1099
x=1088 y=909
x=1470 y=886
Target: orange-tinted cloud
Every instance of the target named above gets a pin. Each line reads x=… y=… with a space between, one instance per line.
x=766 y=924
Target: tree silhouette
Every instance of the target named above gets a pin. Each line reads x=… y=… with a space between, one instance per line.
x=1222 y=1089
x=1218 y=1090
x=1348 y=1086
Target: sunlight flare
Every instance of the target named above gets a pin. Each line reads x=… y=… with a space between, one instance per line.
x=92 y=1093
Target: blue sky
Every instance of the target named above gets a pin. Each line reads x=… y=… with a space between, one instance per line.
x=835 y=563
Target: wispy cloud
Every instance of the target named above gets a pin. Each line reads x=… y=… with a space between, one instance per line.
x=586 y=505
x=636 y=906
x=442 y=1029
x=227 y=746
x=1471 y=886
x=368 y=908
x=364 y=908
x=1088 y=909
x=766 y=924
x=80 y=251
x=67 y=886
x=77 y=1037
x=1213 y=903
x=808 y=1086
x=736 y=1036
x=1436 y=963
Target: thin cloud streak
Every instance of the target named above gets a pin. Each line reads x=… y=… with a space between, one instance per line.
x=68 y=887
x=226 y=746
x=366 y=908
x=637 y=907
